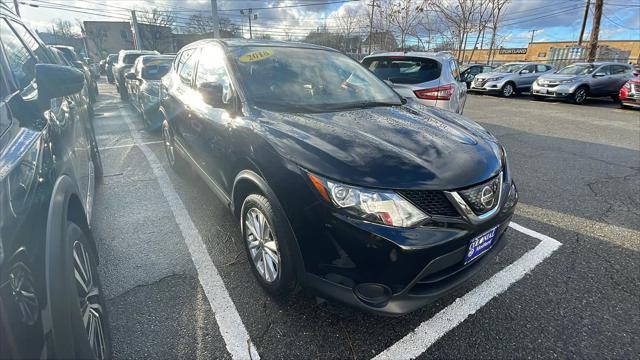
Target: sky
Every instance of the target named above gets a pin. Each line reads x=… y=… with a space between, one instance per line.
x=554 y=20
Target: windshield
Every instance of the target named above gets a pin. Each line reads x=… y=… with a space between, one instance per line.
x=404 y=70
x=582 y=69
x=156 y=69
x=508 y=68
x=293 y=79
x=130 y=58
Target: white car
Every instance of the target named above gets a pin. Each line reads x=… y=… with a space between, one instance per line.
x=431 y=79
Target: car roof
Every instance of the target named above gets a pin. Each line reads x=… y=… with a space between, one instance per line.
x=127 y=52
x=599 y=63
x=440 y=55
x=235 y=43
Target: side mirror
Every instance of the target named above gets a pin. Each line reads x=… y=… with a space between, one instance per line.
x=56 y=81
x=599 y=74
x=525 y=71
x=130 y=76
x=212 y=94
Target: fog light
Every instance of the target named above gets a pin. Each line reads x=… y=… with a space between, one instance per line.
x=373 y=294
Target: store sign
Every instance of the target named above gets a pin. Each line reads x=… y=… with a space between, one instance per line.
x=512 y=51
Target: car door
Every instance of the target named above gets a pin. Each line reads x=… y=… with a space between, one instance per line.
x=620 y=75
x=601 y=81
x=526 y=76
x=213 y=123
x=459 y=95
x=185 y=96
x=135 y=85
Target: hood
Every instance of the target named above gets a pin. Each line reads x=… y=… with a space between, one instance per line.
x=402 y=147
x=559 y=77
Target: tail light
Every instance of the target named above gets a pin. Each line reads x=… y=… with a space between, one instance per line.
x=443 y=92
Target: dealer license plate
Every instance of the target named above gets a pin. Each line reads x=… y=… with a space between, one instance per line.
x=480 y=244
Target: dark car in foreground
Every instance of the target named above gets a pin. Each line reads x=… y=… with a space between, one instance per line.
x=51 y=302
x=143 y=85
x=579 y=81
x=340 y=184
x=90 y=78
x=125 y=61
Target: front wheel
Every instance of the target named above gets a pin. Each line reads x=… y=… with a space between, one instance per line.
x=580 y=95
x=268 y=240
x=169 y=144
x=508 y=90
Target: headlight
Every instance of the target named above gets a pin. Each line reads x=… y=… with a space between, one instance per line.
x=495 y=78
x=379 y=206
x=568 y=81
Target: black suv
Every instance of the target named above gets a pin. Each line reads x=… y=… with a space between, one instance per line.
x=340 y=184
x=51 y=303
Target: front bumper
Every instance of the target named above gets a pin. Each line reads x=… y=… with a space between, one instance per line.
x=480 y=85
x=387 y=270
x=555 y=91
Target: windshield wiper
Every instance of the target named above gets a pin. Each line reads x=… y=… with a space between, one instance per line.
x=362 y=105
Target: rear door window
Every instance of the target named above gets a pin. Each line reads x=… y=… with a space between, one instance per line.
x=541 y=68
x=188 y=67
x=34 y=45
x=21 y=62
x=404 y=69
x=619 y=69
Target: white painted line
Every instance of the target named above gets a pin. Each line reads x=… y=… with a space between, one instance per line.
x=425 y=335
x=128 y=145
x=234 y=333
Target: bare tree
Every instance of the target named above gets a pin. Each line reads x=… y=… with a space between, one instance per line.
x=200 y=24
x=404 y=16
x=64 y=29
x=155 y=27
x=481 y=19
x=348 y=22
x=98 y=36
x=458 y=14
x=496 y=9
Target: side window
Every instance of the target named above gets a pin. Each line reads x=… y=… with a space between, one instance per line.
x=605 y=70
x=176 y=62
x=619 y=69
x=455 y=71
x=39 y=51
x=211 y=69
x=531 y=68
x=185 y=71
x=21 y=62
x=541 y=68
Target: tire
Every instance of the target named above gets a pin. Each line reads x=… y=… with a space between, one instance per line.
x=91 y=302
x=508 y=90
x=615 y=98
x=273 y=265
x=580 y=95
x=176 y=162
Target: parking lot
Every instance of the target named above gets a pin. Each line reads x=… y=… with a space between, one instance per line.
x=566 y=285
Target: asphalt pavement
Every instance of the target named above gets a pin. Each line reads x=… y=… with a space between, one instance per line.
x=578 y=173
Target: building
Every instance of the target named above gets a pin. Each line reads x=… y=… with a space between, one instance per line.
x=559 y=52
x=380 y=41
x=109 y=37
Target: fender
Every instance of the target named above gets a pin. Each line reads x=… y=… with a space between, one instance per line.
x=266 y=189
x=58 y=284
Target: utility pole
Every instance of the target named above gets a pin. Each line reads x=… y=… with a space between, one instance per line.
x=249 y=13
x=373 y=7
x=137 y=39
x=595 y=30
x=16 y=7
x=214 y=17
x=584 y=21
x=533 y=33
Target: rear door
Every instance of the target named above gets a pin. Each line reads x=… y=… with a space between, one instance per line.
x=620 y=74
x=185 y=96
x=525 y=79
x=600 y=85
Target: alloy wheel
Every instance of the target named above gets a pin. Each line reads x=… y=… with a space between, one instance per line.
x=23 y=290
x=507 y=90
x=89 y=299
x=262 y=245
x=580 y=96
x=168 y=144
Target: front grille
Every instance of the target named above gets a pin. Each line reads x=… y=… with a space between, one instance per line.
x=431 y=202
x=484 y=197
x=480 y=82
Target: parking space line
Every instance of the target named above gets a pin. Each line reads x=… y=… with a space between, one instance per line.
x=427 y=333
x=128 y=145
x=231 y=327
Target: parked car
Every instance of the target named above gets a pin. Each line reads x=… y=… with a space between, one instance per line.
x=431 y=79
x=51 y=302
x=340 y=184
x=509 y=79
x=108 y=65
x=468 y=72
x=581 y=80
x=125 y=61
x=143 y=85
x=71 y=56
x=629 y=94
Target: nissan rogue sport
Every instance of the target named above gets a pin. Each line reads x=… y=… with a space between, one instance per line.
x=340 y=185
